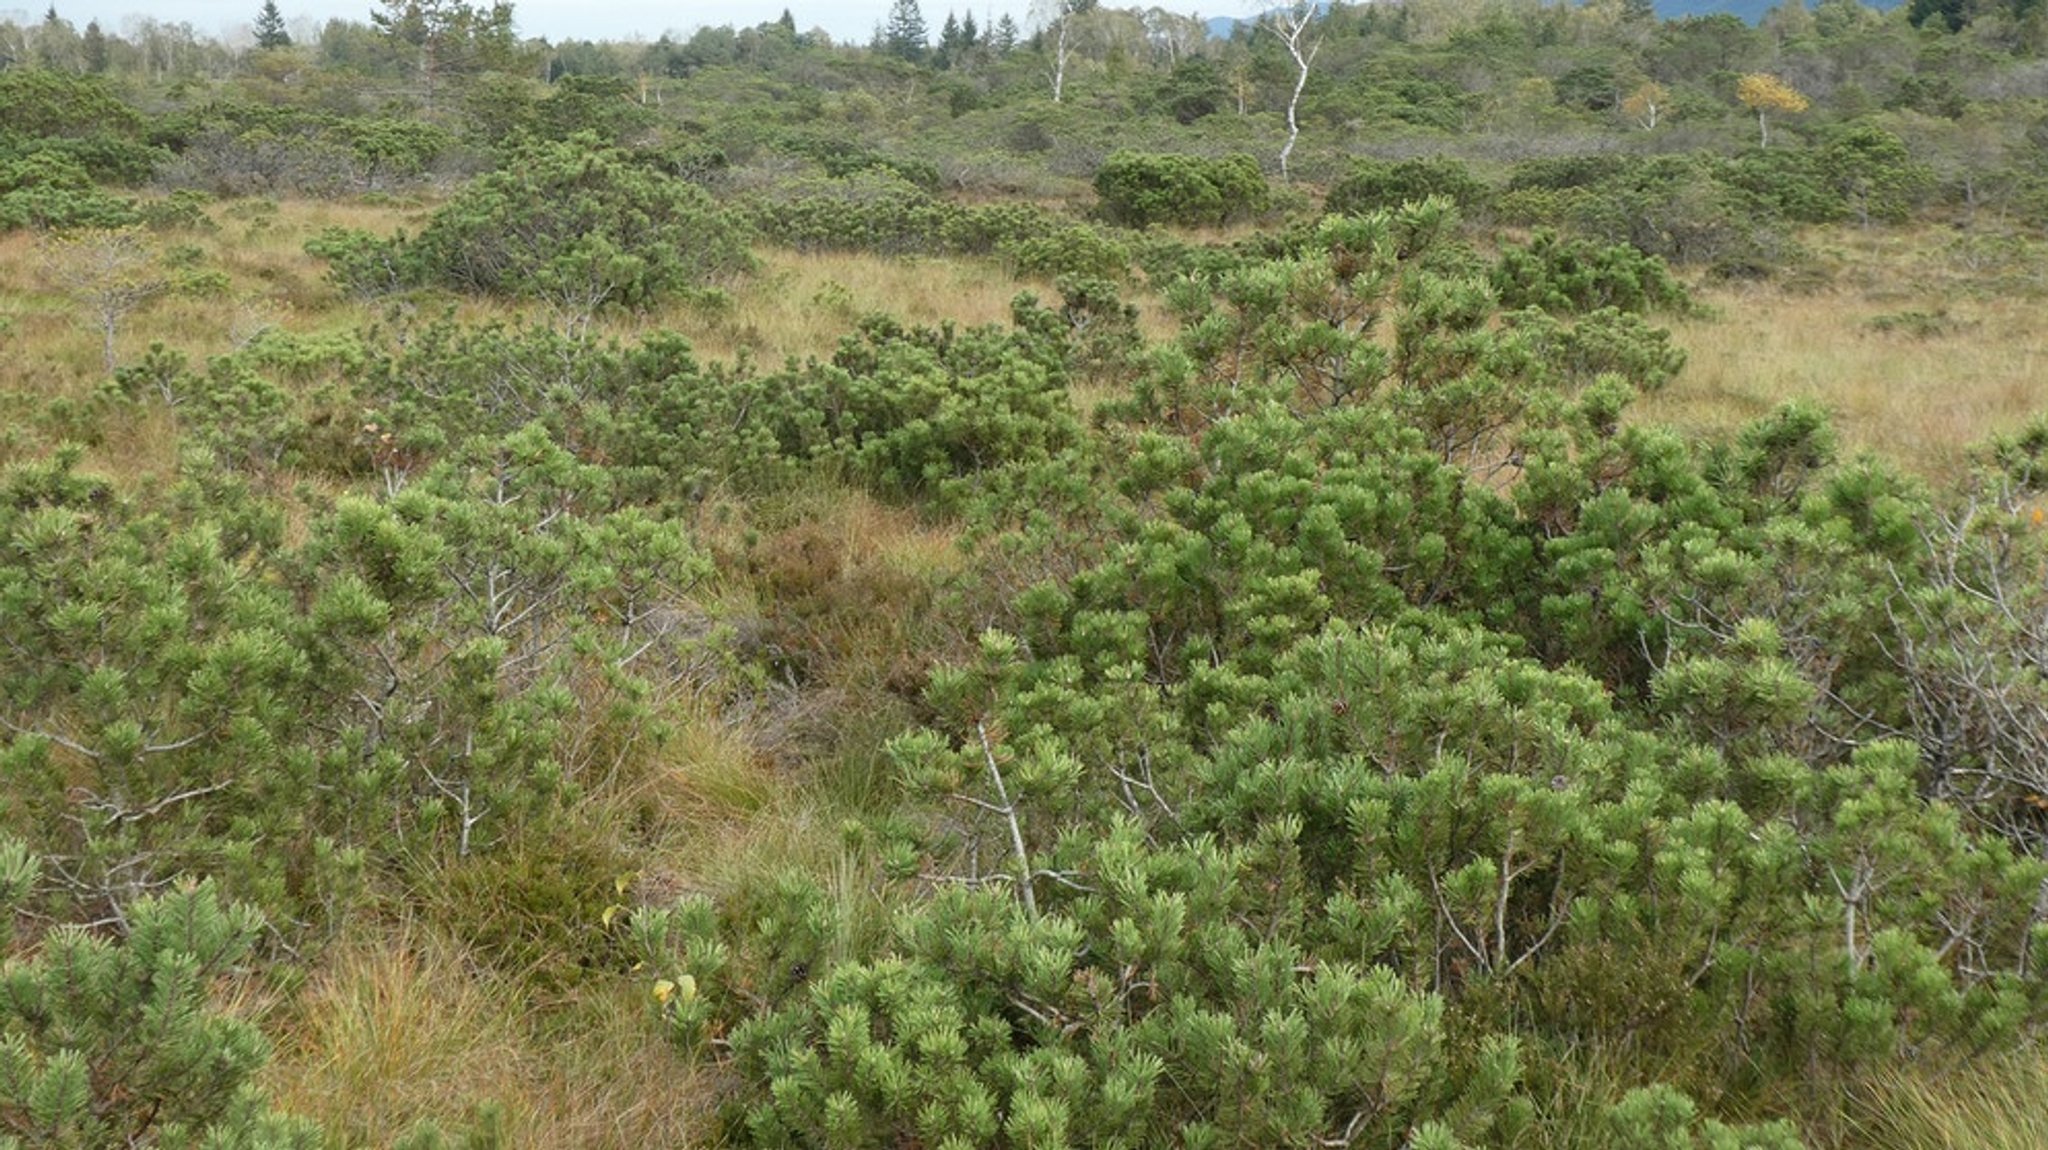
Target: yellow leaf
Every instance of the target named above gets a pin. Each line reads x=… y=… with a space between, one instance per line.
x=664 y=990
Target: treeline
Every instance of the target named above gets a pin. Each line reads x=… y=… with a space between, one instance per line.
x=1006 y=110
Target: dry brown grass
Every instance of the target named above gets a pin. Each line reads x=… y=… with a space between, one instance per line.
x=47 y=354
x=1967 y=356
x=1992 y=1102
x=397 y=1029
x=799 y=304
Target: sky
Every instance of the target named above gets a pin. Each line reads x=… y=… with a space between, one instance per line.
x=853 y=20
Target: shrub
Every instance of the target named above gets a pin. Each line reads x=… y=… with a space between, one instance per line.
x=117 y=1043
x=988 y=228
x=182 y=210
x=264 y=156
x=879 y=212
x=1195 y=88
x=1028 y=138
x=46 y=102
x=1140 y=189
x=1074 y=250
x=1788 y=183
x=1374 y=185
x=921 y=174
x=361 y=264
x=42 y=188
x=1570 y=276
x=108 y=157
x=580 y=227
x=1683 y=209
x=1876 y=177
x=870 y=211
x=1603 y=342
x=389 y=151
x=908 y=408
x=1557 y=173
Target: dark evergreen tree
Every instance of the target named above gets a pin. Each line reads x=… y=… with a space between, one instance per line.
x=270 y=31
x=1194 y=89
x=905 y=34
x=93 y=48
x=950 y=47
x=56 y=43
x=1951 y=15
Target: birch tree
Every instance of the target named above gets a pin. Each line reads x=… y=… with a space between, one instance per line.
x=1292 y=25
x=1646 y=104
x=1764 y=93
x=1172 y=35
x=1057 y=19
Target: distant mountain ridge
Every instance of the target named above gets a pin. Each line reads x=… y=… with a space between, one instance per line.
x=1750 y=11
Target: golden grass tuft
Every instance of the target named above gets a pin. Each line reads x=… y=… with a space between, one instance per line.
x=397 y=1030
x=389 y=1035
x=853 y=580
x=711 y=775
x=1992 y=1102
x=799 y=304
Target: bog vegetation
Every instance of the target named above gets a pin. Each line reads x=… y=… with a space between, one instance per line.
x=1421 y=575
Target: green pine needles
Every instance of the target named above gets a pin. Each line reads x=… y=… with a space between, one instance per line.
x=117 y=1043
x=576 y=225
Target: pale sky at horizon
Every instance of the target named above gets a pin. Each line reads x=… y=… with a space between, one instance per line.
x=846 y=20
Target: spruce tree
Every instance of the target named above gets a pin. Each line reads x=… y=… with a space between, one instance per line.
x=905 y=34
x=93 y=47
x=270 y=31
x=56 y=43
x=1005 y=34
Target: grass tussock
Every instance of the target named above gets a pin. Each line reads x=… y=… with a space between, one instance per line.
x=399 y=1030
x=799 y=304
x=1988 y=1103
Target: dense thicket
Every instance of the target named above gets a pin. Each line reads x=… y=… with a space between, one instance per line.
x=1339 y=790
